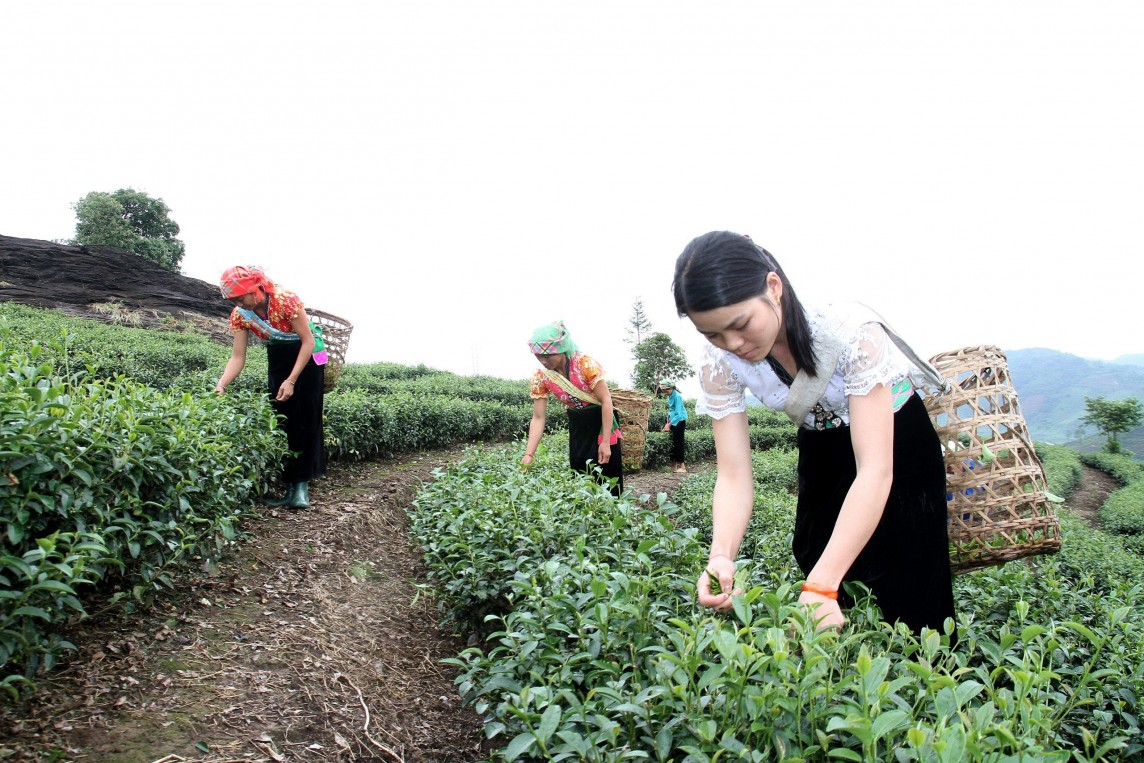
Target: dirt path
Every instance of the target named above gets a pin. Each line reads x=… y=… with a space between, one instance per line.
x=1090 y=494
x=309 y=643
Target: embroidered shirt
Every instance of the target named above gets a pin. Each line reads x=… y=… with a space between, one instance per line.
x=282 y=307
x=583 y=372
x=870 y=358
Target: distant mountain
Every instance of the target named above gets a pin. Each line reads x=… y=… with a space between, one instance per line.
x=1051 y=387
x=1131 y=360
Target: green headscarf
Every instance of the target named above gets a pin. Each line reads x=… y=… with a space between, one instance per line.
x=552 y=339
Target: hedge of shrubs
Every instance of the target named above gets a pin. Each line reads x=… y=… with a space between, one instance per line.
x=111 y=482
x=700 y=445
x=591 y=646
x=1120 y=466
x=1062 y=468
x=1123 y=511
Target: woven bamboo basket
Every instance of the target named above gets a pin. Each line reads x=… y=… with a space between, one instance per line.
x=995 y=484
x=632 y=409
x=336 y=333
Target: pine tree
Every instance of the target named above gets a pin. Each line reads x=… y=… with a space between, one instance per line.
x=639 y=325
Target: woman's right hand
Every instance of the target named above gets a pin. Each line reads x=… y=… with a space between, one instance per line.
x=220 y=389
x=721 y=570
x=667 y=427
x=823 y=609
x=526 y=460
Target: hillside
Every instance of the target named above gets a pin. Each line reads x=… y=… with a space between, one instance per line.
x=1052 y=386
x=107 y=284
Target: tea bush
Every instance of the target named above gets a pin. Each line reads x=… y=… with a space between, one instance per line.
x=437 y=383
x=111 y=481
x=598 y=651
x=358 y=375
x=1062 y=468
x=1123 y=510
x=160 y=359
x=377 y=409
x=700 y=445
x=361 y=425
x=757 y=415
x=1122 y=467
x=767 y=541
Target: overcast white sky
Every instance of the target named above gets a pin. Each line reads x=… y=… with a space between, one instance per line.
x=448 y=174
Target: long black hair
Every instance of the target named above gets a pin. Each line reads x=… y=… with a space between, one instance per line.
x=721 y=268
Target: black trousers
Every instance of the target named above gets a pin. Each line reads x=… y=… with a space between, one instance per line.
x=302 y=413
x=906 y=561
x=678 y=448
x=584 y=426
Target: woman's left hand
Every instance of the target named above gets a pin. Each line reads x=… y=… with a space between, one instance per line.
x=827 y=613
x=667 y=427
x=285 y=391
x=604 y=453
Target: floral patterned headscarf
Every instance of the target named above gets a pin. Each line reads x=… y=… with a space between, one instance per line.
x=552 y=338
x=242 y=279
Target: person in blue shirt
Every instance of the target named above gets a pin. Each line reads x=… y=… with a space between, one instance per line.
x=676 y=423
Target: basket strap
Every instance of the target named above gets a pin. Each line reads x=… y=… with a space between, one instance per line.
x=566 y=384
x=807 y=390
x=932 y=375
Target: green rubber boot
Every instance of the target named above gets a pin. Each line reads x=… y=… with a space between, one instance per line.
x=300 y=498
x=291 y=489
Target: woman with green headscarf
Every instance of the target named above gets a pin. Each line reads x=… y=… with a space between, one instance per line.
x=578 y=383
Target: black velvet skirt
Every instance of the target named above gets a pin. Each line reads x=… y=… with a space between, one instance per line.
x=906 y=561
x=303 y=412
x=584 y=426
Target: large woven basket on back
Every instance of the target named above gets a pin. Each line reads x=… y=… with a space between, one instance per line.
x=336 y=333
x=632 y=409
x=995 y=484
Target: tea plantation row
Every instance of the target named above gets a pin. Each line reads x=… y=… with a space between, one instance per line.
x=592 y=646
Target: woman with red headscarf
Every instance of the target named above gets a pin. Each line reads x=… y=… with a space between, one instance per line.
x=295 y=370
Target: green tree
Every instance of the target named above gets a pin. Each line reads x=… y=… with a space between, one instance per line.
x=1113 y=417
x=657 y=357
x=638 y=325
x=131 y=220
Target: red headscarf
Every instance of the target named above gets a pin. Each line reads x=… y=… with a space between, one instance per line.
x=242 y=279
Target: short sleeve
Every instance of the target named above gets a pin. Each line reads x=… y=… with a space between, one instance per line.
x=284 y=307
x=720 y=389
x=237 y=322
x=538 y=386
x=870 y=359
x=590 y=371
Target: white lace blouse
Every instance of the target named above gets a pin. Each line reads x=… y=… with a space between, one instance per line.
x=870 y=358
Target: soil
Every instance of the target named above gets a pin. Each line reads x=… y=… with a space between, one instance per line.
x=1090 y=494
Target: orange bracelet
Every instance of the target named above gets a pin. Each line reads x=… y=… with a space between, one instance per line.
x=820 y=590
